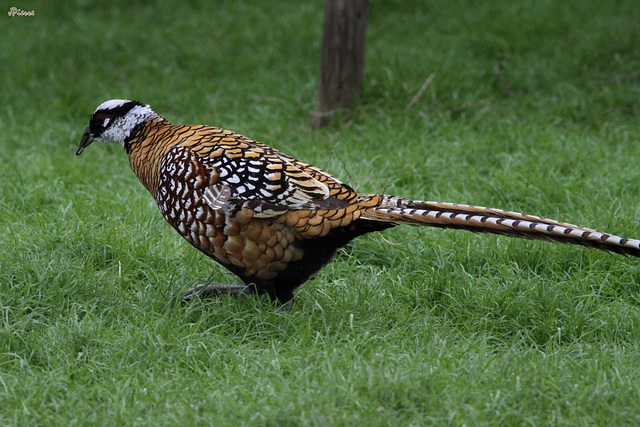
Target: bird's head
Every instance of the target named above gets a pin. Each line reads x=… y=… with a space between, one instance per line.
x=115 y=121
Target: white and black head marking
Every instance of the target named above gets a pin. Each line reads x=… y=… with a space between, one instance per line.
x=114 y=121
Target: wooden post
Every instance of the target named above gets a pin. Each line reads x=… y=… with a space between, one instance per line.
x=342 y=63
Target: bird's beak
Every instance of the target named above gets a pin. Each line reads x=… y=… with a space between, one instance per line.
x=85 y=141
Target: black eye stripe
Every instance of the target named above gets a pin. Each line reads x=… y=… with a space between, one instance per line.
x=96 y=124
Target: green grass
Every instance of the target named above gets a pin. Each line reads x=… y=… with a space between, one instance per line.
x=441 y=327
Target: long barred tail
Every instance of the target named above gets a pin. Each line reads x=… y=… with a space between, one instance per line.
x=488 y=220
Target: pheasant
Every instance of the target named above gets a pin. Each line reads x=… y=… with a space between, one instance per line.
x=273 y=220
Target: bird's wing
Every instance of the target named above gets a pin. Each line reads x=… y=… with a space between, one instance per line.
x=262 y=178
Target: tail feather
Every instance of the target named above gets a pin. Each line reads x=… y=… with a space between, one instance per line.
x=479 y=219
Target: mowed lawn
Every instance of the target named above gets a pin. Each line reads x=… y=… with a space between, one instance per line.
x=527 y=106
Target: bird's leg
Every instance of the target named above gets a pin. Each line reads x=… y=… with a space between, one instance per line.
x=216 y=289
x=283 y=302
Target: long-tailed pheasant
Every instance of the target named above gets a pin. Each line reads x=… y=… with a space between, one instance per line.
x=275 y=221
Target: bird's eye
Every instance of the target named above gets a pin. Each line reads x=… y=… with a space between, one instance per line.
x=102 y=121
x=99 y=122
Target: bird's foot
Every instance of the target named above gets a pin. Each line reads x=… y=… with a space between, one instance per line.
x=287 y=306
x=217 y=289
